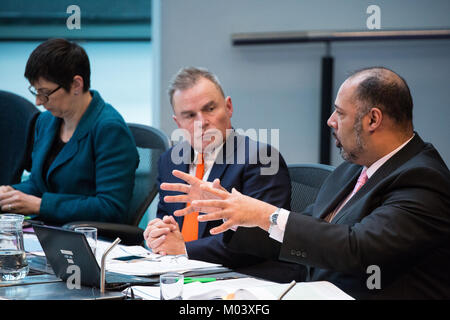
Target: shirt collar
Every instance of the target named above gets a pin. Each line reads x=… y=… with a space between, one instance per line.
x=377 y=164
x=211 y=157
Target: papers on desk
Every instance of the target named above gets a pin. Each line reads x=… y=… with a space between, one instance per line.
x=254 y=289
x=250 y=289
x=316 y=290
x=153 y=264
x=120 y=251
x=158 y=265
x=32 y=245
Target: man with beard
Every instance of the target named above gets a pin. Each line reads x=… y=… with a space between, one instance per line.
x=380 y=225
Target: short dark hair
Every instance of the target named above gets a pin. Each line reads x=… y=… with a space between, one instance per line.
x=58 y=61
x=385 y=89
x=187 y=77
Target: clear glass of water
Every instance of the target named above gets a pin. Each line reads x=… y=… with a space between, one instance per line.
x=91 y=236
x=13 y=260
x=171 y=286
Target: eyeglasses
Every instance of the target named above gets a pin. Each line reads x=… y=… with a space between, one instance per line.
x=43 y=96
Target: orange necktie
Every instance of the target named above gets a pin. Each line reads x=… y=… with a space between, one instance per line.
x=190 y=222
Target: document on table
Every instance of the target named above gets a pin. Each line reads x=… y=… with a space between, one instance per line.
x=251 y=289
x=152 y=264
x=159 y=265
x=32 y=244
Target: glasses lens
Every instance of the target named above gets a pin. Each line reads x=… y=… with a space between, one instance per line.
x=32 y=91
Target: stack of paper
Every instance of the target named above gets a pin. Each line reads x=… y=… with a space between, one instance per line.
x=251 y=289
x=157 y=266
x=152 y=264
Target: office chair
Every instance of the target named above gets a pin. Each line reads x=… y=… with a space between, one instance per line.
x=17 y=119
x=306 y=180
x=151 y=143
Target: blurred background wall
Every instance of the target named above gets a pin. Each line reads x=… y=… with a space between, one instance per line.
x=278 y=86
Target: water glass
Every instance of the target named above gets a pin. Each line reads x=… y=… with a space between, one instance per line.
x=91 y=236
x=171 y=286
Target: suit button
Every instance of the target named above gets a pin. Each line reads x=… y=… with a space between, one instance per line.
x=304 y=255
x=293 y=252
x=299 y=253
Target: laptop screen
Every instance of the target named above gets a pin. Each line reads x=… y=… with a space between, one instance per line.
x=66 y=251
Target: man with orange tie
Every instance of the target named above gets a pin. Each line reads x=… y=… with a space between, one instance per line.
x=380 y=225
x=216 y=154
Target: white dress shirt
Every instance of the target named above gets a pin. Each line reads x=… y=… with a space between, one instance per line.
x=209 y=159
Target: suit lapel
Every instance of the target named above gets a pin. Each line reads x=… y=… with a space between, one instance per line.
x=220 y=165
x=83 y=127
x=183 y=166
x=340 y=194
x=398 y=159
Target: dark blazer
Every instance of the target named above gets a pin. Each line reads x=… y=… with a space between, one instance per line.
x=398 y=221
x=17 y=119
x=92 y=177
x=234 y=171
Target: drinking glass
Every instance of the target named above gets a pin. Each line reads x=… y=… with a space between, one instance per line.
x=171 y=286
x=91 y=236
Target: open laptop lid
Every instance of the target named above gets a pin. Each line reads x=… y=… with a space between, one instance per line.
x=65 y=249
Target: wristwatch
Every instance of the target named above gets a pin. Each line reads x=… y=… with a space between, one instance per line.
x=274 y=218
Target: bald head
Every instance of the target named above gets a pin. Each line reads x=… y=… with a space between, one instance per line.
x=384 y=89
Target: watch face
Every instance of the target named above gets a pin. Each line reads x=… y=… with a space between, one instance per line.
x=274 y=218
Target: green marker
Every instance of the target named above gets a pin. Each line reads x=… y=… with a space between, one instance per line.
x=202 y=280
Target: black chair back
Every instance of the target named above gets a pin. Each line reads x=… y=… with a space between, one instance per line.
x=306 y=180
x=17 y=120
x=151 y=143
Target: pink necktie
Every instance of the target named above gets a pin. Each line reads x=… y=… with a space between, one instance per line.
x=361 y=181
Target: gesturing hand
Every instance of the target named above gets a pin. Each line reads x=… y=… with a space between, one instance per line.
x=192 y=191
x=237 y=209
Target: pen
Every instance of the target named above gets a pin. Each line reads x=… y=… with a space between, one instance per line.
x=291 y=285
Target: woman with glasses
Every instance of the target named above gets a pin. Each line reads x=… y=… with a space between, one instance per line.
x=84 y=156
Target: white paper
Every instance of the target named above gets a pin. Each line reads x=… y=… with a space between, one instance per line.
x=32 y=245
x=316 y=290
x=250 y=288
x=254 y=289
x=158 y=265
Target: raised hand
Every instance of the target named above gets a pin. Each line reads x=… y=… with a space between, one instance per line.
x=235 y=208
x=192 y=191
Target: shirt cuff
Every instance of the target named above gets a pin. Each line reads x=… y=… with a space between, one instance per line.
x=276 y=232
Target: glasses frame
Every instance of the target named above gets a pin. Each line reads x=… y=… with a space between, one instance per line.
x=43 y=96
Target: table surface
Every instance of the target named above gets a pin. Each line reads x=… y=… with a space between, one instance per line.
x=42 y=284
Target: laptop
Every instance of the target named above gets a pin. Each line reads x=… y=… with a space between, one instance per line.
x=65 y=249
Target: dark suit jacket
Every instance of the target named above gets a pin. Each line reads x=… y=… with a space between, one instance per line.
x=399 y=221
x=92 y=177
x=17 y=119
x=234 y=171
